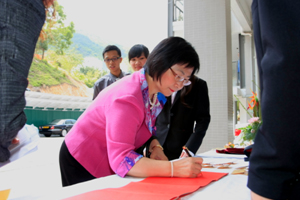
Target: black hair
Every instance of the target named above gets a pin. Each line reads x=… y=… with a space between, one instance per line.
x=171 y=51
x=137 y=50
x=111 y=48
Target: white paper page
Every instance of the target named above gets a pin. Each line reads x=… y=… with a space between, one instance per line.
x=29 y=138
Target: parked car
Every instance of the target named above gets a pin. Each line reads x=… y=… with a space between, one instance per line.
x=57 y=127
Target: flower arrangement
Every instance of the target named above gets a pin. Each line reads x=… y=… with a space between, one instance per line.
x=246 y=135
x=229 y=145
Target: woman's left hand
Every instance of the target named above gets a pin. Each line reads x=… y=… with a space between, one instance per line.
x=185 y=155
x=158 y=154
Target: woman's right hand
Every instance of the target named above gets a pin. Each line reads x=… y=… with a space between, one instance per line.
x=187 y=167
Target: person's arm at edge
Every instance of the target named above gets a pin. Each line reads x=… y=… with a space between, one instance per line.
x=98 y=87
x=255 y=196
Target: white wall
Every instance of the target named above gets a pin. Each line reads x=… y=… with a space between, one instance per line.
x=207 y=25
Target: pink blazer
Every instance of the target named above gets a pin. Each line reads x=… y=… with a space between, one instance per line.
x=111 y=128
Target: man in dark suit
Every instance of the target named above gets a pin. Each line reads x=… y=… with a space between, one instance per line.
x=274 y=171
x=176 y=123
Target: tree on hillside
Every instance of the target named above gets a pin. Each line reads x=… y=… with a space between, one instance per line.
x=54 y=33
x=67 y=61
x=89 y=75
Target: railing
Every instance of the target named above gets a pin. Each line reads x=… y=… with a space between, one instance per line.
x=56 y=102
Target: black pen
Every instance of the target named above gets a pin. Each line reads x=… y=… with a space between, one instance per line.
x=186 y=151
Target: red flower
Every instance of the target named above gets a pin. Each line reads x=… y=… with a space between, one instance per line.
x=237 y=132
x=253 y=101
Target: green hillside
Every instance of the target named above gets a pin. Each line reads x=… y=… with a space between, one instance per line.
x=88 y=48
x=41 y=73
x=52 y=71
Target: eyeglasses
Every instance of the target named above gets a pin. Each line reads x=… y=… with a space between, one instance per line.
x=178 y=78
x=113 y=59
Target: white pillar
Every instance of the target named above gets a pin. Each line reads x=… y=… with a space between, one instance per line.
x=207 y=25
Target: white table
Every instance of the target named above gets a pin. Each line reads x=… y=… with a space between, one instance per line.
x=230 y=187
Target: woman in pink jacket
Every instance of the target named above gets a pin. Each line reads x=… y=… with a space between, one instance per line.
x=107 y=137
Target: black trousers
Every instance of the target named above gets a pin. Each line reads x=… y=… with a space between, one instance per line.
x=71 y=170
x=274 y=170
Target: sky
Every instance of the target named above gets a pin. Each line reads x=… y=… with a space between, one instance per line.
x=124 y=22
